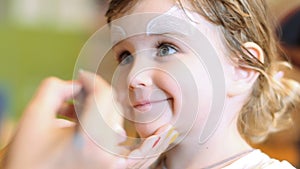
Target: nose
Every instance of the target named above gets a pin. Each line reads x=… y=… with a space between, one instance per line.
x=140 y=80
x=140 y=75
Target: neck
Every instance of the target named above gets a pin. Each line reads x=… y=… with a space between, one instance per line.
x=219 y=152
x=225 y=146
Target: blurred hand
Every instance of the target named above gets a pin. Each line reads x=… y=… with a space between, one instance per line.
x=44 y=141
x=152 y=147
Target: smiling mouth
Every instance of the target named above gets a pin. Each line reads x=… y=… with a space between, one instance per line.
x=147 y=105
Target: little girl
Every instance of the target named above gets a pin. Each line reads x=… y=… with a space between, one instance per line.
x=209 y=68
x=166 y=82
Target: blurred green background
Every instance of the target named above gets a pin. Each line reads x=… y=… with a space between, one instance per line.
x=28 y=56
x=40 y=39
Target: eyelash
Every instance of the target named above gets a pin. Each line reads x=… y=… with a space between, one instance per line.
x=121 y=60
x=171 y=46
x=160 y=44
x=128 y=58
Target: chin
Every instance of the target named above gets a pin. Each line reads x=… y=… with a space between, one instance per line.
x=148 y=129
x=152 y=120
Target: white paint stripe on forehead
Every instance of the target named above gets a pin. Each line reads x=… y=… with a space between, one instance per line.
x=174 y=21
x=117 y=33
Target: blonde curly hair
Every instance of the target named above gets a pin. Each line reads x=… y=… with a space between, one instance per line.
x=269 y=107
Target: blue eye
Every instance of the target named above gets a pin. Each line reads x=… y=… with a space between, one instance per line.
x=166 y=49
x=125 y=58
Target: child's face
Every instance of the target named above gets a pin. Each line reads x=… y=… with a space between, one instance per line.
x=160 y=79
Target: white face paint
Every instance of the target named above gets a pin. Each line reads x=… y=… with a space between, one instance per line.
x=166 y=23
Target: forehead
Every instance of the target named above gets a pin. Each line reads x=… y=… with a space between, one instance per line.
x=156 y=6
x=149 y=24
x=174 y=21
x=146 y=6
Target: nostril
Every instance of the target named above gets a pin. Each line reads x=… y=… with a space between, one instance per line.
x=136 y=85
x=140 y=80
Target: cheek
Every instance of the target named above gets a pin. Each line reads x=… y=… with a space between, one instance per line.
x=121 y=94
x=170 y=83
x=204 y=101
x=192 y=98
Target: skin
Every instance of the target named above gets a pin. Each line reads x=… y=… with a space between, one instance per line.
x=141 y=72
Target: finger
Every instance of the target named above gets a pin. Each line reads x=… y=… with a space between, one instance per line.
x=164 y=132
x=67 y=111
x=161 y=147
x=157 y=151
x=148 y=162
x=101 y=93
x=51 y=95
x=95 y=156
x=166 y=142
x=144 y=149
x=149 y=154
x=135 y=158
x=145 y=162
x=98 y=117
x=147 y=151
x=89 y=79
x=149 y=145
x=39 y=123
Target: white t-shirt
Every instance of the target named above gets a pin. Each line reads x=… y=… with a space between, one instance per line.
x=254 y=160
x=259 y=160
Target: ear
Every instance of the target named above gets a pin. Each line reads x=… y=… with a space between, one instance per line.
x=242 y=79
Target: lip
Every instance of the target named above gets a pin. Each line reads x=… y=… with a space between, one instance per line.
x=145 y=105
